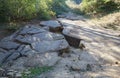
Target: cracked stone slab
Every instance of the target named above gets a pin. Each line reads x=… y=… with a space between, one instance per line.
x=71 y=36
x=53 y=25
x=40 y=41
x=8 y=45
x=31 y=30
x=3 y=56
x=13 y=56
x=46 y=46
x=26 y=50
x=28 y=39
x=49 y=36
x=8 y=38
x=2 y=50
x=46 y=59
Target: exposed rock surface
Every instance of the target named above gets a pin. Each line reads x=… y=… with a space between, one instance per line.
x=53 y=25
x=46 y=46
x=40 y=60
x=8 y=45
x=98 y=58
x=72 y=37
x=37 y=47
x=28 y=42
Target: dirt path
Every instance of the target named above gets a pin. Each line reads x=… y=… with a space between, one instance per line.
x=102 y=45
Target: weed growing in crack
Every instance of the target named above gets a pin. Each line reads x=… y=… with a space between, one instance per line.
x=35 y=71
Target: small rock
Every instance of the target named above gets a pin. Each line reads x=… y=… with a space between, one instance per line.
x=27 y=39
x=10 y=70
x=31 y=30
x=71 y=37
x=48 y=36
x=53 y=25
x=89 y=68
x=14 y=56
x=11 y=74
x=18 y=75
x=2 y=72
x=3 y=57
x=8 y=45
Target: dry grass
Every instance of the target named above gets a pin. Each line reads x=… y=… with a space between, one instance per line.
x=110 y=21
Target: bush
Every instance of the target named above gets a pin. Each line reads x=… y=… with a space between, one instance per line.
x=35 y=71
x=24 y=9
x=97 y=7
x=59 y=6
x=12 y=10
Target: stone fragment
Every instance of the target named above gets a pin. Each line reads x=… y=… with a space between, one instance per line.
x=18 y=75
x=11 y=74
x=18 y=64
x=8 y=45
x=53 y=25
x=49 y=36
x=25 y=50
x=13 y=56
x=31 y=30
x=28 y=39
x=2 y=50
x=3 y=57
x=71 y=36
x=2 y=72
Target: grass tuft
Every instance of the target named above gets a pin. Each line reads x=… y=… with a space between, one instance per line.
x=36 y=71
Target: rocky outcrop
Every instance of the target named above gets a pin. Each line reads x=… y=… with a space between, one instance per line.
x=34 y=46
x=28 y=41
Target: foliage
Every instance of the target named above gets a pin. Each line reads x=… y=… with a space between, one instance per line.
x=97 y=7
x=59 y=6
x=35 y=71
x=24 y=9
x=12 y=10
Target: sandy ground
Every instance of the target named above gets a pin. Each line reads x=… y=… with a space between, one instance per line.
x=103 y=45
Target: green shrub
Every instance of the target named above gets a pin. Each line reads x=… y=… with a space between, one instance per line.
x=24 y=9
x=59 y=6
x=36 y=71
x=97 y=7
x=12 y=10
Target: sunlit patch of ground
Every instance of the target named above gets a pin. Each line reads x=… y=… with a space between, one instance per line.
x=111 y=21
x=101 y=43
